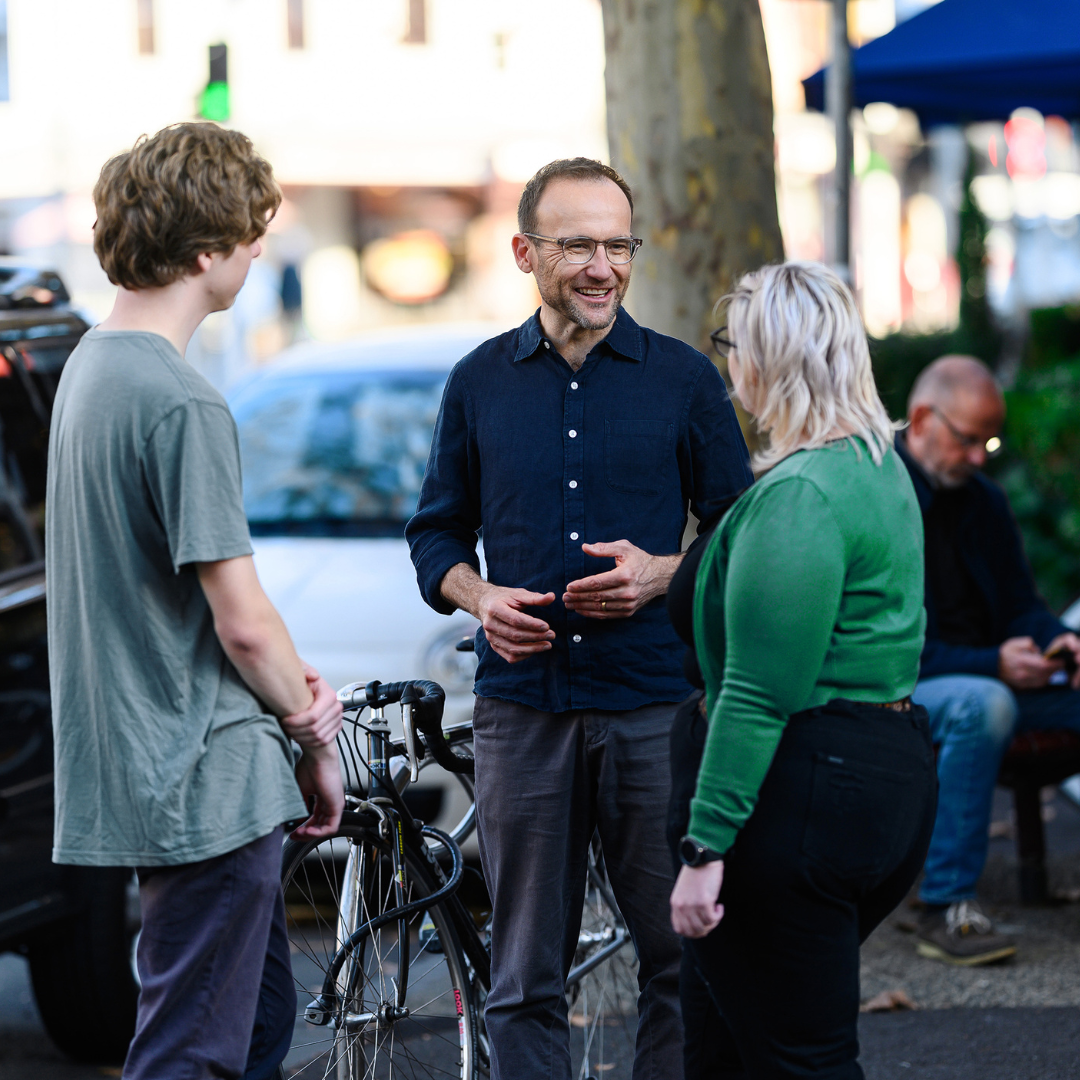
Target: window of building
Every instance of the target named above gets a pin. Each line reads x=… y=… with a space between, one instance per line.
x=416 y=22
x=145 y=15
x=295 y=15
x=4 y=96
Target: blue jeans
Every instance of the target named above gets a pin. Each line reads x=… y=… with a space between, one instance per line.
x=972 y=722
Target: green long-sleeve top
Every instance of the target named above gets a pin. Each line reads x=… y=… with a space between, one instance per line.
x=811 y=589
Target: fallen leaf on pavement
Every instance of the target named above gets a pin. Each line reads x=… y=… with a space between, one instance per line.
x=888 y=1001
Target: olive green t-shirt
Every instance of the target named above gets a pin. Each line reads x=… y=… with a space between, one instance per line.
x=811 y=589
x=163 y=755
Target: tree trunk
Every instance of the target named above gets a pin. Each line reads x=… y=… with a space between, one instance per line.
x=690 y=127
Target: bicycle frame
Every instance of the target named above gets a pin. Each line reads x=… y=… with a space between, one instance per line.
x=392 y=818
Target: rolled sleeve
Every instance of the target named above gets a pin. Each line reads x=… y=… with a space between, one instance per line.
x=444 y=530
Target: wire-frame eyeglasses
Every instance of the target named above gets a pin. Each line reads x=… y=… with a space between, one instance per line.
x=993 y=446
x=579 y=250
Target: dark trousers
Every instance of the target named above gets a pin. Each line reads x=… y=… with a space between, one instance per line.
x=837 y=838
x=544 y=781
x=217 y=997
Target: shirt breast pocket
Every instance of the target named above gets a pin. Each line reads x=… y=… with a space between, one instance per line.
x=636 y=454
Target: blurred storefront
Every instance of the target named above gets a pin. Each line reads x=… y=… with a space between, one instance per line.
x=401 y=131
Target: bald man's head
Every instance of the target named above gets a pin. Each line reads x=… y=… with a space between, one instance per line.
x=956 y=407
x=940 y=382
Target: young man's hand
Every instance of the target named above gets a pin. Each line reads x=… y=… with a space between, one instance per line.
x=638 y=577
x=318 y=724
x=319 y=776
x=694 y=908
x=1022 y=665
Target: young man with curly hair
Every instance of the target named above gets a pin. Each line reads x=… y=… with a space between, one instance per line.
x=176 y=687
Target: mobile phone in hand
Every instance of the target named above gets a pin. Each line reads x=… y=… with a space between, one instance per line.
x=1065 y=655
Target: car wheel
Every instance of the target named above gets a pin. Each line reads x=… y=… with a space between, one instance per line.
x=82 y=971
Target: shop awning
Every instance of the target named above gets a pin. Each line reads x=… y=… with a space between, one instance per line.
x=967 y=60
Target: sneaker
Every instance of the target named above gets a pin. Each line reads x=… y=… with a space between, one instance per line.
x=962 y=934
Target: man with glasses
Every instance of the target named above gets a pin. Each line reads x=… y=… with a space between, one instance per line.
x=996 y=660
x=576 y=442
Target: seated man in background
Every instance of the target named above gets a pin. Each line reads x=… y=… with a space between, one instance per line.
x=985 y=671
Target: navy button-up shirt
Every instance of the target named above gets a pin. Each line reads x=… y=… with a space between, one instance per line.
x=543 y=459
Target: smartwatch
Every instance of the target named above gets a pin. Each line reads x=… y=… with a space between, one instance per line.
x=691 y=853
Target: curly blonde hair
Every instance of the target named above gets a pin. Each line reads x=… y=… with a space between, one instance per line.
x=803 y=350
x=190 y=189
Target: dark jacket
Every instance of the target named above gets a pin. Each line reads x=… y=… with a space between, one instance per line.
x=993 y=553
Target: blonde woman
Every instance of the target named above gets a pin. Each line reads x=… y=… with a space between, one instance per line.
x=815 y=797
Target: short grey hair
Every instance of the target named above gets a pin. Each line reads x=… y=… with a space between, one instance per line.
x=803 y=349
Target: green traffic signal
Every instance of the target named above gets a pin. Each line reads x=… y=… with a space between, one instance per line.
x=214 y=102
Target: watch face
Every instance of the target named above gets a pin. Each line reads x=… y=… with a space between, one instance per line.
x=689 y=851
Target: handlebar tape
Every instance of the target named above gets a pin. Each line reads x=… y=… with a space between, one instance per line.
x=427 y=700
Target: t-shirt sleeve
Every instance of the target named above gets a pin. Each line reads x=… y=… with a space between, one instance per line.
x=192 y=470
x=778 y=603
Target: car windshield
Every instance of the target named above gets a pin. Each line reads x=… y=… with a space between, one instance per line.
x=338 y=453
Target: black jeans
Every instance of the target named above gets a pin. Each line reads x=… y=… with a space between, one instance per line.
x=217 y=994
x=837 y=838
x=544 y=781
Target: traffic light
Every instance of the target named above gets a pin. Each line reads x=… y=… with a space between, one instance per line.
x=214 y=101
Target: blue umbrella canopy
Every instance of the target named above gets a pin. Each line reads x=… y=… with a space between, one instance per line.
x=967 y=60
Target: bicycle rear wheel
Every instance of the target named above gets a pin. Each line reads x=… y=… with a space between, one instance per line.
x=332 y=888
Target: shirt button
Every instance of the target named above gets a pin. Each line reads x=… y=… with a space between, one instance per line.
x=573 y=483
x=577 y=638
x=573 y=386
x=573 y=433
x=573 y=536
x=547 y=344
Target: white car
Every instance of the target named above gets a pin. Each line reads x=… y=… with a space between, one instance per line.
x=334 y=441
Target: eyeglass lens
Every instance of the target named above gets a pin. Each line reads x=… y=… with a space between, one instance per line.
x=580 y=249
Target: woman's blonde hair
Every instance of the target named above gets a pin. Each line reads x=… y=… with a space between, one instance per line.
x=806 y=364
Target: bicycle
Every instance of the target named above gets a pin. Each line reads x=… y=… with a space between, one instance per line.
x=392 y=968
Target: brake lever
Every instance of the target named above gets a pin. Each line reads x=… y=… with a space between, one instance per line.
x=410 y=740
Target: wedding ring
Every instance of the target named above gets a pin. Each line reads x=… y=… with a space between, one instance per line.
x=603 y=604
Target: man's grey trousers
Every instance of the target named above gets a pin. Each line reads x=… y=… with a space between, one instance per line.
x=544 y=781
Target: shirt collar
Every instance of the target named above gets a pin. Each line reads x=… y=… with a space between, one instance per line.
x=624 y=338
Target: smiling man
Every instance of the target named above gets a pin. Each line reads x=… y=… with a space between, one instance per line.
x=576 y=442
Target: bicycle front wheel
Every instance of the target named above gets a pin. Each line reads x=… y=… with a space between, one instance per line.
x=371 y=1028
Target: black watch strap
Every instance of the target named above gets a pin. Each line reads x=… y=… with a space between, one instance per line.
x=691 y=853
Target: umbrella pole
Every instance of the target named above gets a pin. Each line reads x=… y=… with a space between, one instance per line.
x=838 y=106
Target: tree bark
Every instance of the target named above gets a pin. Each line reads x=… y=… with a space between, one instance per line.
x=690 y=127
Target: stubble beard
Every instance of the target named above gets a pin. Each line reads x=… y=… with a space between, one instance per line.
x=559 y=296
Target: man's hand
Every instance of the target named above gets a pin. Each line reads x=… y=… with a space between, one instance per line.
x=694 y=908
x=1071 y=642
x=318 y=724
x=509 y=631
x=319 y=776
x=638 y=577
x=1022 y=665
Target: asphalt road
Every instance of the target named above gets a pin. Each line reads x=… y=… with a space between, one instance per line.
x=932 y=1044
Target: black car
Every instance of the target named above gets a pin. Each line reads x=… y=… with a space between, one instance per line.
x=76 y=925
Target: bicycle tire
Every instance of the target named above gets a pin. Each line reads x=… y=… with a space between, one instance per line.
x=440 y=1035
x=602 y=1002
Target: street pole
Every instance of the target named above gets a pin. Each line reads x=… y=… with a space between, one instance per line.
x=838 y=107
